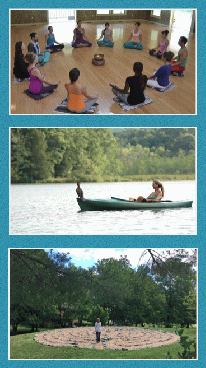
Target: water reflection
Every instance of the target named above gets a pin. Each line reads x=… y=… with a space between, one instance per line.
x=52 y=209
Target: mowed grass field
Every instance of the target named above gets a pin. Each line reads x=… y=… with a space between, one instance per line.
x=23 y=346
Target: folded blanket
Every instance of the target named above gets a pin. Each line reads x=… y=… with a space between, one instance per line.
x=37 y=97
x=164 y=89
x=62 y=108
x=19 y=80
x=132 y=107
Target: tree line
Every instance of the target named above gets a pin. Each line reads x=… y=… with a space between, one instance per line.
x=99 y=154
x=49 y=288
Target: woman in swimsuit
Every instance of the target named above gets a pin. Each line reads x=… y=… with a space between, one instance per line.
x=20 y=66
x=155 y=196
x=76 y=92
x=50 y=42
x=79 y=38
x=108 y=37
x=38 y=83
x=161 y=47
x=136 y=37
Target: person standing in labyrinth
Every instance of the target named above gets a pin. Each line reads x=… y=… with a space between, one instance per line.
x=98 y=330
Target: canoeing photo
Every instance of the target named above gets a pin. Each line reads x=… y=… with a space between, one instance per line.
x=96 y=181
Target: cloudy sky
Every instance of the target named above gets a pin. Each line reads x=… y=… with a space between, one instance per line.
x=87 y=257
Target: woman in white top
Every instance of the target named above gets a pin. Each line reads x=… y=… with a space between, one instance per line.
x=136 y=37
x=98 y=330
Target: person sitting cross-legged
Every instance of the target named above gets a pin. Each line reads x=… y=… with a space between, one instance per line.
x=136 y=37
x=163 y=73
x=76 y=93
x=38 y=82
x=34 y=47
x=136 y=84
x=179 y=62
x=161 y=47
x=107 y=37
x=20 y=66
x=50 y=42
x=79 y=38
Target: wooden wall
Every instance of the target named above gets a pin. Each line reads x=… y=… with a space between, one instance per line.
x=90 y=15
x=28 y=16
x=41 y=16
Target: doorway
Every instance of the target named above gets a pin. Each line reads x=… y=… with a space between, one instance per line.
x=181 y=19
x=181 y=23
x=63 y=22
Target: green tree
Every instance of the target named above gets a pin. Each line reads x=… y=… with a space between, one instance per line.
x=147 y=304
x=97 y=311
x=34 y=285
x=177 y=279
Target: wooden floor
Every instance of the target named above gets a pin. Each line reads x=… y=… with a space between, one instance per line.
x=118 y=66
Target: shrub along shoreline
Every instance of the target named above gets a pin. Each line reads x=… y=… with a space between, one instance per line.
x=115 y=179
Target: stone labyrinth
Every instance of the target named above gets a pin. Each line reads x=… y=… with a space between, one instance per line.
x=112 y=338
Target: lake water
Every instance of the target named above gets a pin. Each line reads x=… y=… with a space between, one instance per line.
x=52 y=209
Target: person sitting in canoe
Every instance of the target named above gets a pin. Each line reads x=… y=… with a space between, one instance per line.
x=155 y=196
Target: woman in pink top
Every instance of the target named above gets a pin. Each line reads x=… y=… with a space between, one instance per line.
x=136 y=36
x=38 y=83
x=161 y=47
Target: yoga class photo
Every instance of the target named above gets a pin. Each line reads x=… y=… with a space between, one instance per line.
x=103 y=61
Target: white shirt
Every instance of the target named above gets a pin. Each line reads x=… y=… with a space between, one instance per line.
x=98 y=327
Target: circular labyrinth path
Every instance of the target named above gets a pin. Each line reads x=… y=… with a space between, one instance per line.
x=113 y=338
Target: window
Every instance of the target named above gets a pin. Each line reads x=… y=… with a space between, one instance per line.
x=61 y=14
x=156 y=12
x=111 y=12
x=118 y=11
x=102 y=11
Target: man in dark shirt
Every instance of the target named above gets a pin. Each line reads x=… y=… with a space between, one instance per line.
x=33 y=46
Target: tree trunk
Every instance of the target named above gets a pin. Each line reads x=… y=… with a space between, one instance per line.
x=15 y=329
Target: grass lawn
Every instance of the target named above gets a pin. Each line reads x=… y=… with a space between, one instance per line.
x=23 y=346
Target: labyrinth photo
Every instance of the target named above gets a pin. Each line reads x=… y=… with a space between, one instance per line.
x=112 y=338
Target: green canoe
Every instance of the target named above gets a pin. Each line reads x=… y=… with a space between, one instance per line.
x=117 y=204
